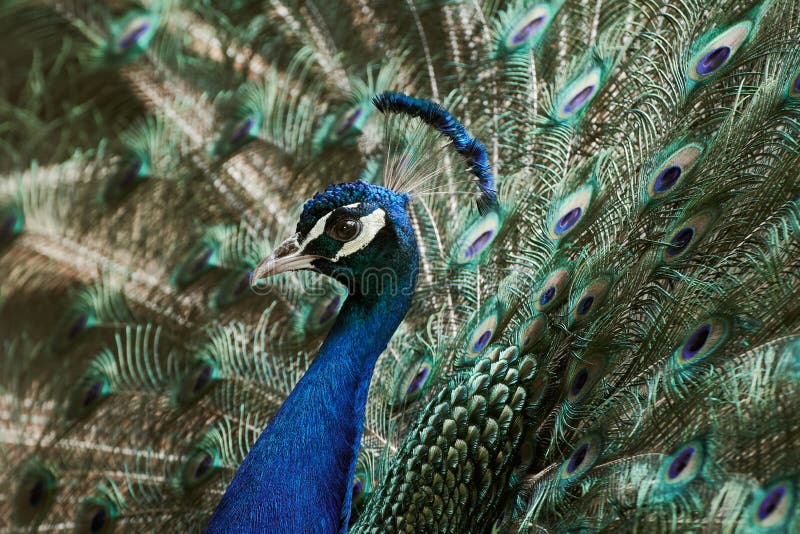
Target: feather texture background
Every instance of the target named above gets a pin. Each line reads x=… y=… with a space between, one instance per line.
x=616 y=348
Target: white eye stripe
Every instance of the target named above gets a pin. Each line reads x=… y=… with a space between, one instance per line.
x=371 y=225
x=315 y=232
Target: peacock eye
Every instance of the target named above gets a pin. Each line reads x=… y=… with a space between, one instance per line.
x=345 y=229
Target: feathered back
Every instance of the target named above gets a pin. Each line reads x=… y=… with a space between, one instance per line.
x=615 y=346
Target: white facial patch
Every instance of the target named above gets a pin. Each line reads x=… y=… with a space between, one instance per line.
x=315 y=232
x=370 y=226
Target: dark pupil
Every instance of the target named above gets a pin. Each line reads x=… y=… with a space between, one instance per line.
x=202 y=379
x=7 y=227
x=568 y=220
x=242 y=284
x=358 y=487
x=92 y=393
x=130 y=173
x=771 y=502
x=418 y=380
x=349 y=121
x=77 y=327
x=696 y=342
x=329 y=311
x=680 y=462
x=797 y=84
x=37 y=492
x=128 y=40
x=242 y=130
x=482 y=341
x=577 y=458
x=98 y=520
x=547 y=295
x=579 y=381
x=667 y=178
x=713 y=60
x=680 y=241
x=201 y=261
x=585 y=305
x=203 y=466
x=346 y=229
x=579 y=99
x=479 y=244
x=528 y=30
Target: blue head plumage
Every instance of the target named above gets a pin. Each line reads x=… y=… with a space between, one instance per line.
x=348 y=232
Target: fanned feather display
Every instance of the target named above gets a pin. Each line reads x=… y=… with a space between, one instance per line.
x=610 y=342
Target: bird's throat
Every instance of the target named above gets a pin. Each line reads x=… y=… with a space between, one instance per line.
x=298 y=476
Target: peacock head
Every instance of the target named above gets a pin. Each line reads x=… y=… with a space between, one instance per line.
x=358 y=233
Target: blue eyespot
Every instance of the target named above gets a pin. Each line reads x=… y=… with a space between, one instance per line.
x=713 y=60
x=414 y=380
x=197 y=382
x=528 y=29
x=88 y=395
x=199 y=468
x=773 y=507
x=478 y=238
x=683 y=465
x=568 y=220
x=238 y=133
x=673 y=170
x=794 y=86
x=706 y=338
x=131 y=36
x=233 y=289
x=667 y=179
x=680 y=241
x=585 y=305
x=719 y=52
x=532 y=333
x=330 y=310
x=552 y=289
x=687 y=235
x=479 y=244
x=570 y=212
x=200 y=259
x=97 y=516
x=482 y=334
x=70 y=328
x=581 y=460
x=34 y=495
x=574 y=99
x=590 y=299
x=11 y=224
x=324 y=311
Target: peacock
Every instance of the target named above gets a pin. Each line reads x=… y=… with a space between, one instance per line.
x=422 y=266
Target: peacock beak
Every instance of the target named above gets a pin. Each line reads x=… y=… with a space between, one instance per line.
x=286 y=257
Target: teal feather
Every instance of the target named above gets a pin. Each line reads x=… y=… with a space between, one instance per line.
x=615 y=347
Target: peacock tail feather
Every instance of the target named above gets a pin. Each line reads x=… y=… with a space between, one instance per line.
x=611 y=343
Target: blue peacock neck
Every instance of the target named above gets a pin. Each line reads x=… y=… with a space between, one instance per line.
x=298 y=476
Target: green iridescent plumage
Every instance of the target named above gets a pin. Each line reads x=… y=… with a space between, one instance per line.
x=615 y=347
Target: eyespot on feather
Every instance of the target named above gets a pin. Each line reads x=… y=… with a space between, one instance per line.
x=576 y=97
x=478 y=238
x=686 y=235
x=702 y=341
x=34 y=495
x=716 y=54
x=552 y=290
x=583 y=457
x=531 y=333
x=672 y=172
x=773 y=507
x=570 y=213
x=590 y=299
x=683 y=465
